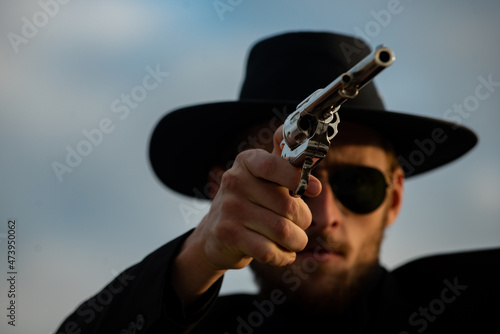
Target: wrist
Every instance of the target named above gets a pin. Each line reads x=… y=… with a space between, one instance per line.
x=193 y=275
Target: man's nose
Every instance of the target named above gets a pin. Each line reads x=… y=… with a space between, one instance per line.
x=325 y=208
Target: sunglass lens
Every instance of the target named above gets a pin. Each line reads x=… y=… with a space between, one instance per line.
x=360 y=189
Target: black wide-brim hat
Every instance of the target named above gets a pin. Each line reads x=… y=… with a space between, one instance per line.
x=281 y=72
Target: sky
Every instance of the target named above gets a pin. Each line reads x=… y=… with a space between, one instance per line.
x=66 y=69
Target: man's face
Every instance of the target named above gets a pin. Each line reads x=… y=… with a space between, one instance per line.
x=343 y=246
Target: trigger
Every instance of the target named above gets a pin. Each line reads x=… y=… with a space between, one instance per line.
x=304 y=176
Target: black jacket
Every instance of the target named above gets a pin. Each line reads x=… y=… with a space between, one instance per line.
x=452 y=293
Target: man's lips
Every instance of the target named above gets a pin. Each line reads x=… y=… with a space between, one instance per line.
x=322 y=254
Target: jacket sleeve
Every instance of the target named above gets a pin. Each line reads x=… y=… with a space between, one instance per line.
x=140 y=300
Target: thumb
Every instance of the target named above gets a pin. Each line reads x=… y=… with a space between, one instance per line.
x=277 y=139
x=314 y=186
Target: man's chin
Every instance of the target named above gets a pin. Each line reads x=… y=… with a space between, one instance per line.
x=328 y=285
x=332 y=288
x=319 y=284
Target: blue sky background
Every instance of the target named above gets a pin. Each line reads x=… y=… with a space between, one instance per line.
x=75 y=235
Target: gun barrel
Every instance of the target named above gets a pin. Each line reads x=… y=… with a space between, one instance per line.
x=370 y=66
x=308 y=131
x=347 y=85
x=323 y=103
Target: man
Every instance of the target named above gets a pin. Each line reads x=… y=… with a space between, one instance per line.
x=315 y=257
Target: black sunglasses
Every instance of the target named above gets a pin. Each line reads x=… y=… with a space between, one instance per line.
x=360 y=189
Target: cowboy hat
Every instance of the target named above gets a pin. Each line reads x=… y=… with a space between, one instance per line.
x=282 y=71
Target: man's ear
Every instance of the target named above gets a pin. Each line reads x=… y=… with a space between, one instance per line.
x=396 y=195
x=214 y=179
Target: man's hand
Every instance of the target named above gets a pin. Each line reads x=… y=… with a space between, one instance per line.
x=252 y=216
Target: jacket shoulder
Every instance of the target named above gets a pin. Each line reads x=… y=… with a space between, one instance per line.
x=465 y=263
x=456 y=291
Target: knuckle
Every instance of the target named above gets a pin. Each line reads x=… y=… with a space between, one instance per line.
x=230 y=209
x=240 y=158
x=270 y=254
x=291 y=208
x=247 y=156
x=282 y=228
x=228 y=238
x=232 y=203
x=230 y=181
x=224 y=232
x=289 y=236
x=227 y=217
x=265 y=255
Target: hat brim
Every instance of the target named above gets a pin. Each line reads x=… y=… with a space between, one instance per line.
x=185 y=143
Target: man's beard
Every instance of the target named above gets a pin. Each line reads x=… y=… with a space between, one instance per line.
x=323 y=290
x=338 y=294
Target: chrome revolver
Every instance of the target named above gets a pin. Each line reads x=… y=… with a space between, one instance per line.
x=308 y=131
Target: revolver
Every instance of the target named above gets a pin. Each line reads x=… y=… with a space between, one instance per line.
x=308 y=131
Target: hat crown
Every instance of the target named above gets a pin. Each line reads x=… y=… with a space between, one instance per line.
x=289 y=67
x=281 y=72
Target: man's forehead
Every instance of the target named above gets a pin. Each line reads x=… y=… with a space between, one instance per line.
x=357 y=144
x=346 y=153
x=357 y=134
x=349 y=134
